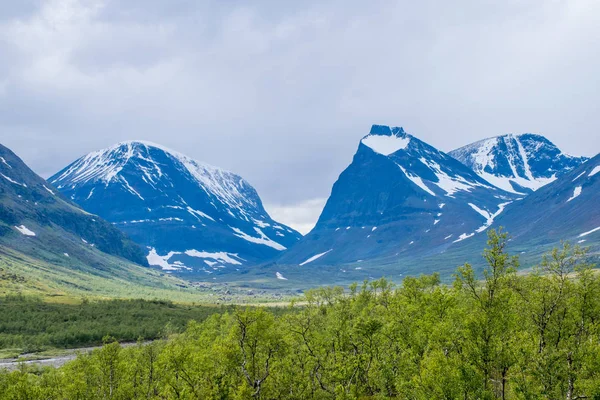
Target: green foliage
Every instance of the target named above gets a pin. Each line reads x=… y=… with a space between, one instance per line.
x=33 y=325
x=503 y=336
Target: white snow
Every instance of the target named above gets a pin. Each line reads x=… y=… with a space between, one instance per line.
x=448 y=183
x=595 y=170
x=447 y=237
x=374 y=228
x=279 y=276
x=4 y=162
x=162 y=261
x=198 y=214
x=66 y=254
x=91 y=193
x=23 y=229
x=442 y=205
x=261 y=224
x=263 y=239
x=578 y=176
x=385 y=145
x=483 y=157
x=525 y=160
x=315 y=257
x=132 y=190
x=220 y=256
x=106 y=165
x=581 y=241
x=463 y=237
x=435 y=222
x=416 y=180
x=576 y=192
x=488 y=216
x=13 y=181
x=49 y=191
x=588 y=232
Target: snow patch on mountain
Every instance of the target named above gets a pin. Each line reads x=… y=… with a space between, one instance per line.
x=576 y=192
x=594 y=171
x=416 y=180
x=5 y=163
x=221 y=256
x=25 y=231
x=315 y=257
x=210 y=258
x=590 y=232
x=516 y=163
x=488 y=216
x=385 y=144
x=263 y=239
x=13 y=181
x=281 y=277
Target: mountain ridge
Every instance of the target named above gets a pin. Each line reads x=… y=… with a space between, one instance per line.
x=192 y=216
x=518 y=163
x=400 y=195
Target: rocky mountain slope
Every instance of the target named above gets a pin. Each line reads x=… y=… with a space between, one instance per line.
x=517 y=163
x=192 y=217
x=399 y=196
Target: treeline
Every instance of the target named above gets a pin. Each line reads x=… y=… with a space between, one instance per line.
x=496 y=336
x=28 y=324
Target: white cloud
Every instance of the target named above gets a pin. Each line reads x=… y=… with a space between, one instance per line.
x=301 y=216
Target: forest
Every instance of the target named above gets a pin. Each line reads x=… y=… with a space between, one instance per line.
x=28 y=324
x=492 y=334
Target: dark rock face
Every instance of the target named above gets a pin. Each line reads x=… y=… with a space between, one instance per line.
x=191 y=216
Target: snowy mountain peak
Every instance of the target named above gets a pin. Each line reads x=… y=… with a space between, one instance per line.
x=117 y=164
x=517 y=163
x=399 y=195
x=385 y=140
x=174 y=204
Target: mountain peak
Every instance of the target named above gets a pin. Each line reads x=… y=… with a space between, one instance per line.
x=518 y=163
x=173 y=204
x=385 y=140
x=386 y=130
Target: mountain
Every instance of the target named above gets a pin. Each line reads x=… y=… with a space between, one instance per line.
x=517 y=163
x=566 y=209
x=191 y=216
x=399 y=196
x=36 y=220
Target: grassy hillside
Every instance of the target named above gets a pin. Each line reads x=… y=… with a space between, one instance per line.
x=21 y=274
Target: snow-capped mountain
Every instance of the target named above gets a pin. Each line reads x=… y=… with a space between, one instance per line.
x=399 y=196
x=566 y=209
x=36 y=220
x=191 y=216
x=517 y=163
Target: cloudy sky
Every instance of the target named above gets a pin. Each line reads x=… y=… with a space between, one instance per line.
x=281 y=92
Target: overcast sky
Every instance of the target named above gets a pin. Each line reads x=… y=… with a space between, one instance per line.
x=281 y=92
